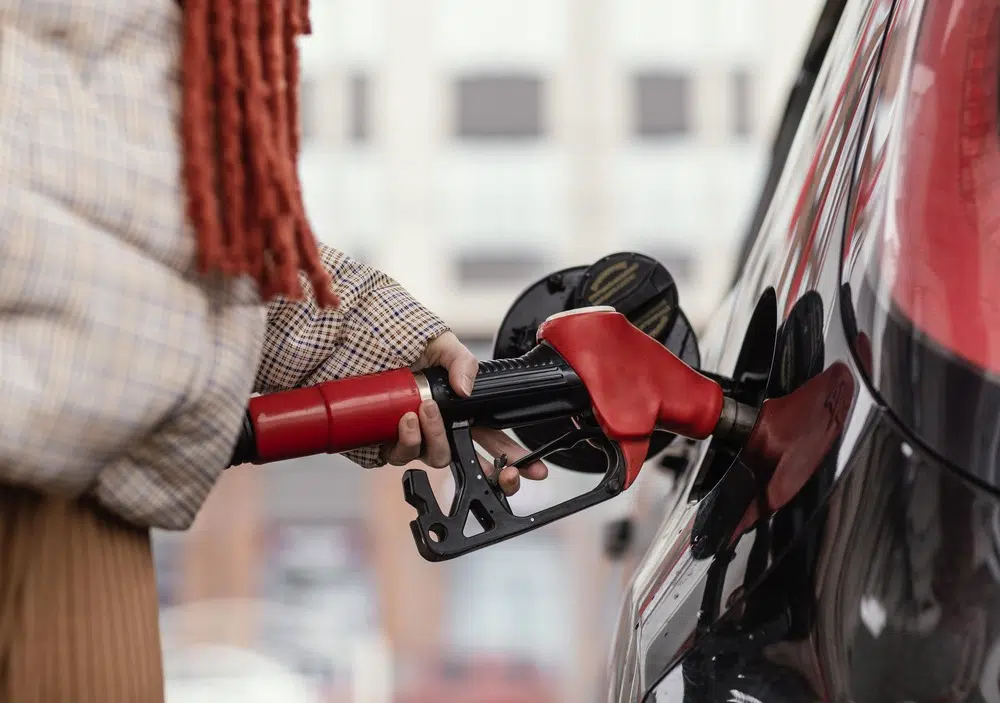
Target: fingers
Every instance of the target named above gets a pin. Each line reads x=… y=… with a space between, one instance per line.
x=510 y=481
x=422 y=435
x=407 y=446
x=498 y=443
x=534 y=472
x=462 y=371
x=510 y=477
x=449 y=352
x=437 y=452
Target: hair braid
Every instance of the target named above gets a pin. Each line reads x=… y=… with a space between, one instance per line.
x=241 y=142
x=292 y=77
x=230 y=134
x=306 y=26
x=199 y=173
x=257 y=128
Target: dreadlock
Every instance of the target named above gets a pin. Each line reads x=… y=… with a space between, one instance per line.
x=240 y=134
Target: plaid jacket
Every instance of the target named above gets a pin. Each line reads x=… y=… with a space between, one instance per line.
x=122 y=374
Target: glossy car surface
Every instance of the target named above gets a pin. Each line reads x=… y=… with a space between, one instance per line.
x=849 y=551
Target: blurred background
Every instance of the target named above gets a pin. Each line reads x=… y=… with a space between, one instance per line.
x=468 y=147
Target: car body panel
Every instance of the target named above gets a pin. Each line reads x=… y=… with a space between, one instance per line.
x=921 y=254
x=797 y=250
x=849 y=550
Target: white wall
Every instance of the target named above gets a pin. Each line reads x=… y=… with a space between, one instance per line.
x=413 y=198
x=474 y=34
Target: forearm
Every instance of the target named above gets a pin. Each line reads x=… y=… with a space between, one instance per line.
x=378 y=326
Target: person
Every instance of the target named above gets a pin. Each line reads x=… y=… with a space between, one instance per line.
x=157 y=267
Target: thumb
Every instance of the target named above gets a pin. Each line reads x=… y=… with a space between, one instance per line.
x=461 y=365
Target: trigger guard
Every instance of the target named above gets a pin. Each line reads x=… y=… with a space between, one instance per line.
x=440 y=536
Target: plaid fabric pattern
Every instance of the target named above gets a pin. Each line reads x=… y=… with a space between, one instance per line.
x=377 y=327
x=124 y=375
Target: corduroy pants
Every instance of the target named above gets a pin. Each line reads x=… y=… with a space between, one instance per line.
x=78 y=605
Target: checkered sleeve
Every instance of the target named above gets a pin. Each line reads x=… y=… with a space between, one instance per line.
x=378 y=326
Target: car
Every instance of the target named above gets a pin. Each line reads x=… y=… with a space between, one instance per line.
x=848 y=550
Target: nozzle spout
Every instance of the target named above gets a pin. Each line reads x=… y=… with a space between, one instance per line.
x=736 y=421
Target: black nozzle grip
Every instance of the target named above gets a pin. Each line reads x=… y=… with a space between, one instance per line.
x=245 y=451
x=508 y=393
x=440 y=536
x=537 y=387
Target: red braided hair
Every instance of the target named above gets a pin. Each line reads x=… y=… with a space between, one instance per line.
x=240 y=134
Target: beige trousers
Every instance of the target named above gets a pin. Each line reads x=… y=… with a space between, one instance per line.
x=78 y=605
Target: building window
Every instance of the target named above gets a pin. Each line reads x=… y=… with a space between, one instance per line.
x=494 y=268
x=742 y=101
x=499 y=107
x=662 y=105
x=359 y=108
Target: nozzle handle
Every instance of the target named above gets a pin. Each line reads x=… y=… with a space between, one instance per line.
x=327 y=418
x=364 y=411
x=535 y=387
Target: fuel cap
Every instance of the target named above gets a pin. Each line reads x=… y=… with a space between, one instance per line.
x=550 y=296
x=633 y=284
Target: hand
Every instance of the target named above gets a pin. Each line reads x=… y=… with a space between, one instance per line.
x=422 y=434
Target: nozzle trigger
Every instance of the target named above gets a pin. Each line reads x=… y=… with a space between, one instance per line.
x=566 y=441
x=441 y=536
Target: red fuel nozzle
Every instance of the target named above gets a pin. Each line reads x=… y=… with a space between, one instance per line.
x=593 y=360
x=637 y=385
x=327 y=418
x=616 y=383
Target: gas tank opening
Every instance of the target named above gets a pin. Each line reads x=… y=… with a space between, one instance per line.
x=748 y=384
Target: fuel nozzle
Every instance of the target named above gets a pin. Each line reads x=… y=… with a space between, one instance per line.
x=737 y=418
x=736 y=421
x=615 y=384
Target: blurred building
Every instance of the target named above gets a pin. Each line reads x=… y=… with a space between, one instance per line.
x=468 y=147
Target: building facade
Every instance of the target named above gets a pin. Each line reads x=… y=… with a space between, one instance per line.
x=468 y=147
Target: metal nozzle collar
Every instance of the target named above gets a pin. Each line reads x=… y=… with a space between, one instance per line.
x=736 y=421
